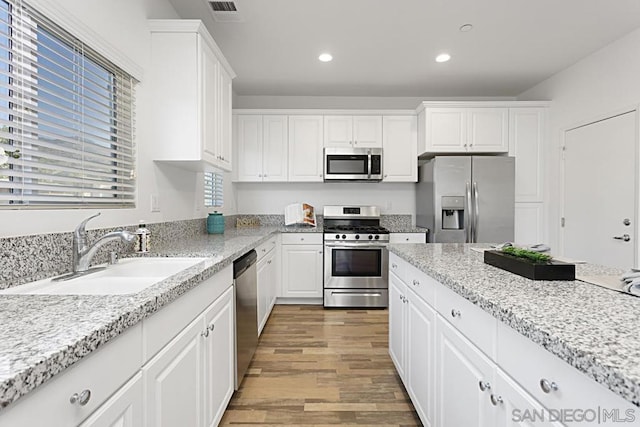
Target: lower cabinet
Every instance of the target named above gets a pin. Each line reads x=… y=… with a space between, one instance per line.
x=398 y=324
x=123 y=409
x=302 y=265
x=267 y=287
x=191 y=380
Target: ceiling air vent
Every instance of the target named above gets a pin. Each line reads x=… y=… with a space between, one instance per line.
x=224 y=11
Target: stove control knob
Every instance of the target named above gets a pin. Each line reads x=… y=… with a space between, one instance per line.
x=357 y=237
x=370 y=237
x=377 y=237
x=344 y=236
x=337 y=236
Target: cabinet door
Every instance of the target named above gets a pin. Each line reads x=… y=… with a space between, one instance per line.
x=367 y=131
x=461 y=368
x=488 y=130
x=274 y=148
x=338 y=131
x=173 y=381
x=224 y=116
x=446 y=130
x=421 y=354
x=249 y=147
x=302 y=271
x=397 y=324
x=400 y=149
x=526 y=136
x=219 y=361
x=209 y=105
x=528 y=223
x=305 y=149
x=516 y=407
x=263 y=291
x=123 y=409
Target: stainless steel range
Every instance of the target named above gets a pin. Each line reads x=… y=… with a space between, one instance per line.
x=356 y=262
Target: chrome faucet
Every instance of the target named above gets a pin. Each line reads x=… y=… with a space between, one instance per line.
x=83 y=253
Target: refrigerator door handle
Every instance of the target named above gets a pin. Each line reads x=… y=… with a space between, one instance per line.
x=476 y=212
x=467 y=216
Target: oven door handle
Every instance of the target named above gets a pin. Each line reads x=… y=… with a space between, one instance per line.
x=355 y=245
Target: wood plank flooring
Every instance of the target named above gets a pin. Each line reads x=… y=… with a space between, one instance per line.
x=317 y=367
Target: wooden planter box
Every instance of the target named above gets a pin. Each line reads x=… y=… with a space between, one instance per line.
x=553 y=270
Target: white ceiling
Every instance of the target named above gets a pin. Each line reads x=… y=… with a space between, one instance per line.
x=387 y=47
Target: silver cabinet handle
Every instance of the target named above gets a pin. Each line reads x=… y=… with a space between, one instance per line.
x=82 y=398
x=455 y=313
x=416 y=282
x=484 y=385
x=212 y=327
x=259 y=175
x=205 y=334
x=264 y=250
x=269 y=262
x=624 y=237
x=406 y=239
x=495 y=400
x=394 y=265
x=548 y=386
x=302 y=239
x=319 y=252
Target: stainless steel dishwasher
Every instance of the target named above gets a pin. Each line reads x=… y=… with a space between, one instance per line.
x=245 y=282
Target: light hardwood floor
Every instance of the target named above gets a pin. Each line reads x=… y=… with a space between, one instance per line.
x=322 y=367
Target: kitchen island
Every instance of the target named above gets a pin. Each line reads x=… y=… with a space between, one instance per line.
x=594 y=330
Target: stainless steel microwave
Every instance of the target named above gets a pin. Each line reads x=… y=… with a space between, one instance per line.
x=352 y=164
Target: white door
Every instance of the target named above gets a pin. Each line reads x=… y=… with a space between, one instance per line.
x=274 y=148
x=397 y=323
x=249 y=147
x=338 y=131
x=400 y=145
x=462 y=367
x=600 y=192
x=173 y=381
x=302 y=271
x=305 y=149
x=219 y=361
x=367 y=131
x=421 y=354
x=123 y=409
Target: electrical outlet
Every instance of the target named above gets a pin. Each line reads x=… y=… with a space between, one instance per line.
x=155 y=203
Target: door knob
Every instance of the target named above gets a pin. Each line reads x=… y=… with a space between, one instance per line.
x=626 y=221
x=624 y=237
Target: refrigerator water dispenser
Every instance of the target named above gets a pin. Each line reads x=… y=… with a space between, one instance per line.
x=452 y=212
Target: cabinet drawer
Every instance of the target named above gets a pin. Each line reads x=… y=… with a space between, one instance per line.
x=473 y=322
x=302 y=238
x=397 y=266
x=535 y=368
x=102 y=373
x=407 y=238
x=421 y=283
x=266 y=247
x=161 y=327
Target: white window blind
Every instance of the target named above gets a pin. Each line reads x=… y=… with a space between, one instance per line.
x=66 y=113
x=213 y=194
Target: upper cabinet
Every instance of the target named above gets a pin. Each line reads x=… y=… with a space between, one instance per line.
x=399 y=149
x=463 y=130
x=353 y=131
x=261 y=144
x=305 y=149
x=191 y=82
x=527 y=127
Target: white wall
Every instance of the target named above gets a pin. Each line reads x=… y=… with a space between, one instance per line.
x=123 y=25
x=271 y=198
x=598 y=85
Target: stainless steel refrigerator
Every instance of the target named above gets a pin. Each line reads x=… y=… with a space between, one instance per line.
x=467 y=199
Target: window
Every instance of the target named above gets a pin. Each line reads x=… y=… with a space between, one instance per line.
x=66 y=118
x=213 y=194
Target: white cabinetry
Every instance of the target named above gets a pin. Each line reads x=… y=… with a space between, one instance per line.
x=398 y=324
x=353 y=131
x=463 y=130
x=407 y=237
x=305 y=149
x=261 y=148
x=399 y=149
x=191 y=81
x=302 y=265
x=267 y=281
x=123 y=409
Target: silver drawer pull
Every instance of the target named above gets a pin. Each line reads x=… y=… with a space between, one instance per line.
x=205 y=334
x=548 y=386
x=394 y=265
x=416 y=282
x=212 y=327
x=484 y=385
x=82 y=398
x=495 y=400
x=455 y=313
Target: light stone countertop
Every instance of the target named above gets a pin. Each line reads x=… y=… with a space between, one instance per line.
x=595 y=330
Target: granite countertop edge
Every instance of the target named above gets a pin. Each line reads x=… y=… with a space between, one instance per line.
x=585 y=361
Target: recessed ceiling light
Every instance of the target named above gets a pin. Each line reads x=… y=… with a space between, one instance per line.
x=443 y=57
x=466 y=28
x=325 y=57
